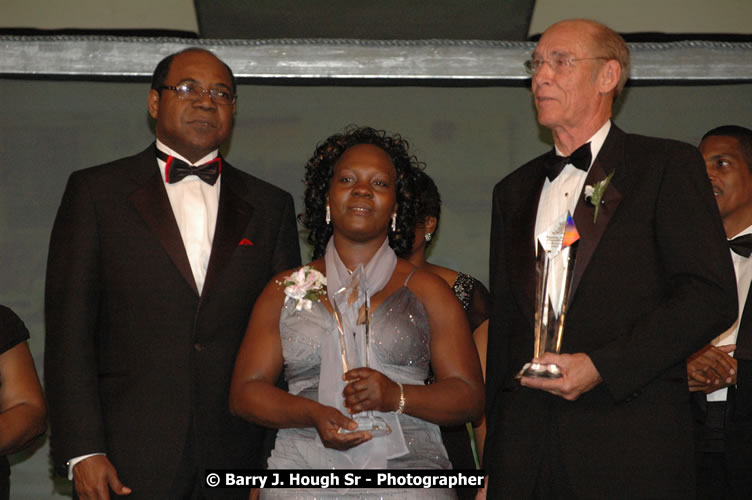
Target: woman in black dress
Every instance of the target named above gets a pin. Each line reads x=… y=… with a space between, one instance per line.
x=465 y=449
x=22 y=408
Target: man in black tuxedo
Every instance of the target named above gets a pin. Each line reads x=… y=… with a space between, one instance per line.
x=720 y=374
x=155 y=262
x=644 y=295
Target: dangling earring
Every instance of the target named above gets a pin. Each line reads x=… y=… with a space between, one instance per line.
x=328 y=216
x=428 y=237
x=394 y=222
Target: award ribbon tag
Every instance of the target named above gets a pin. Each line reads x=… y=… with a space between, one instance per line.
x=555 y=243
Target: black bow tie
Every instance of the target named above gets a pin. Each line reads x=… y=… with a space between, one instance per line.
x=741 y=245
x=177 y=170
x=580 y=159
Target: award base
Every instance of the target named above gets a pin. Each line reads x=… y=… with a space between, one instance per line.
x=540 y=370
x=369 y=423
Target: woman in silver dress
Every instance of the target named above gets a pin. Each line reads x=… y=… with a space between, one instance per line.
x=361 y=211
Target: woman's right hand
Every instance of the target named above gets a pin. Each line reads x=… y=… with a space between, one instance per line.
x=330 y=421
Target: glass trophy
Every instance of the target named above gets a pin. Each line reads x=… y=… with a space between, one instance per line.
x=555 y=259
x=355 y=352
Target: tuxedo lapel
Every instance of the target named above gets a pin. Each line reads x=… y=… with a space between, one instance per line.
x=521 y=258
x=152 y=203
x=233 y=216
x=611 y=154
x=744 y=337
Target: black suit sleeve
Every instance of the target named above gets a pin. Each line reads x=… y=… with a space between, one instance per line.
x=287 y=248
x=700 y=297
x=496 y=352
x=72 y=308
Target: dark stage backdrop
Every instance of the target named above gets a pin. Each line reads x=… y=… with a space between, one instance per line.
x=469 y=137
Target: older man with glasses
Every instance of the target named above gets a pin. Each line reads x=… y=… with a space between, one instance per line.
x=155 y=262
x=615 y=421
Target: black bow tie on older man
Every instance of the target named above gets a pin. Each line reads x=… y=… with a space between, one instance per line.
x=177 y=170
x=741 y=245
x=580 y=159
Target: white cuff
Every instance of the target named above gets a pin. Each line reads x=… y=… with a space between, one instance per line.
x=72 y=462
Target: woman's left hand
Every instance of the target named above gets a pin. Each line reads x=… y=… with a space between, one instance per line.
x=369 y=389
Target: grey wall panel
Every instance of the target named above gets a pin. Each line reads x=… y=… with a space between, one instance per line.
x=385 y=19
x=322 y=60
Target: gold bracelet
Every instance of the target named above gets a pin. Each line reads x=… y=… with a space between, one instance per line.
x=402 y=400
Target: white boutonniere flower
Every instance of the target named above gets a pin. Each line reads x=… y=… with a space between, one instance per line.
x=304 y=286
x=594 y=194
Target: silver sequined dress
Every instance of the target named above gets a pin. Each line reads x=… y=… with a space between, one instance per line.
x=400 y=339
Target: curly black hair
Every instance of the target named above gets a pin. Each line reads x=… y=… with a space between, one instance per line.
x=429 y=199
x=319 y=171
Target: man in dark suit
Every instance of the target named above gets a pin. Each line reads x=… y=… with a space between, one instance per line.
x=155 y=262
x=720 y=374
x=644 y=295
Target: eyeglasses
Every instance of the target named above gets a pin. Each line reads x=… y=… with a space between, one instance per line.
x=560 y=64
x=193 y=93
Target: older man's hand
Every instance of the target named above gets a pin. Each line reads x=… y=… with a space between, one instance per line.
x=579 y=375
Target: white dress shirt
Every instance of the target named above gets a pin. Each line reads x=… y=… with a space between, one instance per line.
x=194 y=204
x=743 y=271
x=561 y=194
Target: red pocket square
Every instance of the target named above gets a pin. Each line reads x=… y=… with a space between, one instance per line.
x=245 y=242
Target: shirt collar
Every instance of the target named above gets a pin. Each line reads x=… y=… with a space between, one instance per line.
x=165 y=149
x=748 y=230
x=596 y=142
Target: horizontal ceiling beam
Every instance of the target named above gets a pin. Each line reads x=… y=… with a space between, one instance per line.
x=320 y=60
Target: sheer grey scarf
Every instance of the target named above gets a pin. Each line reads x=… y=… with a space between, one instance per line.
x=350 y=291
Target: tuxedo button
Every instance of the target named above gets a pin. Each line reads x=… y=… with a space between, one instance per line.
x=199 y=347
